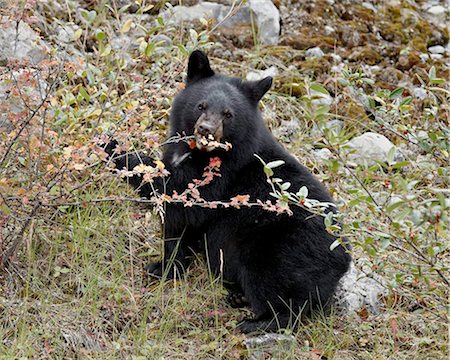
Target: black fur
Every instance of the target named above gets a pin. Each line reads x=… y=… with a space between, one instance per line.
x=281 y=265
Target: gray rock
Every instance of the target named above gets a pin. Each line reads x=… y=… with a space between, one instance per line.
x=287 y=129
x=267 y=19
x=266 y=14
x=335 y=124
x=359 y=288
x=261 y=74
x=206 y=10
x=315 y=52
x=22 y=42
x=370 y=147
x=321 y=98
x=436 y=56
x=322 y=154
x=419 y=93
x=438 y=49
x=424 y=57
x=268 y=344
x=65 y=34
x=437 y=10
x=329 y=30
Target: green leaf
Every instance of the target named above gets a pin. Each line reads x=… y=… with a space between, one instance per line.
x=432 y=73
x=319 y=88
x=391 y=155
x=396 y=93
x=89 y=16
x=22 y=160
x=268 y=171
x=84 y=94
x=400 y=164
x=100 y=35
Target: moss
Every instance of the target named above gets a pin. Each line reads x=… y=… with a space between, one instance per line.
x=418 y=43
x=393 y=32
x=306 y=41
x=407 y=61
x=366 y=54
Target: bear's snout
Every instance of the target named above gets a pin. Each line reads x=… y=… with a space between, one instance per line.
x=208 y=127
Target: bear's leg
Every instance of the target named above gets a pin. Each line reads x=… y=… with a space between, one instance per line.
x=178 y=254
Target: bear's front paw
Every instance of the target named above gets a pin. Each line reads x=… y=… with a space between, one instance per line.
x=161 y=270
x=155 y=269
x=257 y=326
x=236 y=299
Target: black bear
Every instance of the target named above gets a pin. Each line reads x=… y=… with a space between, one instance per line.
x=280 y=265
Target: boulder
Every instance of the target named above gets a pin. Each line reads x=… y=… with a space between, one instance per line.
x=263 y=11
x=370 y=147
x=20 y=41
x=359 y=288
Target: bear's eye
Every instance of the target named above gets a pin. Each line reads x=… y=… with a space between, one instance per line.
x=201 y=107
x=227 y=114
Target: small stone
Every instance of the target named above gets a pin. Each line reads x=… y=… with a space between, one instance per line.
x=424 y=57
x=261 y=74
x=437 y=10
x=329 y=30
x=259 y=346
x=314 y=52
x=420 y=93
x=322 y=154
x=321 y=98
x=438 y=49
x=369 y=6
x=436 y=56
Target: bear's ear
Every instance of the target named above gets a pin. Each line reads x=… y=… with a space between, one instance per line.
x=255 y=90
x=198 y=67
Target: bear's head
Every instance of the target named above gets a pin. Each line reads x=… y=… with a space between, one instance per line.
x=217 y=108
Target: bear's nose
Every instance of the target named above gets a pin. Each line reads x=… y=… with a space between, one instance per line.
x=205 y=129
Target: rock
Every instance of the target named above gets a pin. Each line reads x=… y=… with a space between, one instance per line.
x=419 y=93
x=320 y=98
x=65 y=33
x=261 y=74
x=436 y=56
x=424 y=57
x=267 y=19
x=268 y=344
x=335 y=124
x=22 y=42
x=370 y=147
x=437 y=49
x=322 y=154
x=266 y=14
x=206 y=10
x=314 y=52
x=358 y=289
x=437 y=10
x=329 y=30
x=286 y=129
